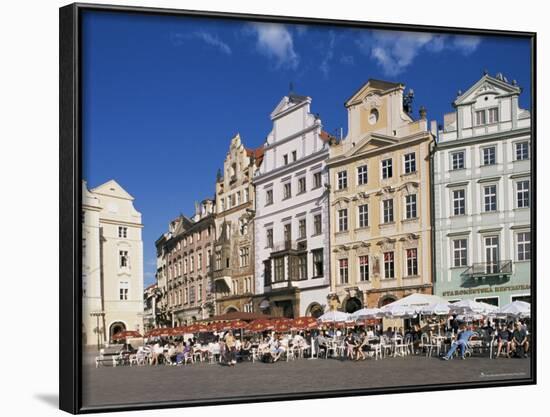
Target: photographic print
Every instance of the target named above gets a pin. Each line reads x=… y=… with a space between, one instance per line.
x=273 y=208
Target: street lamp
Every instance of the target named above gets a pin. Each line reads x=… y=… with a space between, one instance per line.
x=97 y=315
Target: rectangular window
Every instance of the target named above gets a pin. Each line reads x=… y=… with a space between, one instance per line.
x=218 y=262
x=459 y=202
x=362 y=175
x=192 y=268
x=268 y=197
x=317 y=226
x=522 y=194
x=122 y=232
x=186 y=296
x=387 y=168
x=301 y=185
x=199 y=293
x=246 y=194
x=267 y=273
x=287 y=191
x=302 y=228
x=269 y=238
x=522 y=151
x=342 y=220
x=317 y=262
x=287 y=233
x=317 y=180
x=234 y=286
x=123 y=258
x=480 y=117
x=490 y=198
x=342 y=180
x=285 y=159
x=301 y=267
x=412 y=262
x=343 y=271
x=363 y=214
x=410 y=163
x=460 y=252
x=363 y=268
x=410 y=206
x=294 y=156
x=192 y=294
x=524 y=246
x=123 y=289
x=457 y=160
x=389 y=265
x=388 y=210
x=199 y=262
x=493 y=115
x=279 y=269
x=208 y=258
x=489 y=155
x=244 y=255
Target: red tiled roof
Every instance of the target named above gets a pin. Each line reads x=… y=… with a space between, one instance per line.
x=258 y=154
x=325 y=136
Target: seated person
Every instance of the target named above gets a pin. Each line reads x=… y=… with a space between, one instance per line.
x=461 y=343
x=520 y=345
x=276 y=349
x=321 y=342
x=246 y=347
x=362 y=347
x=504 y=338
x=350 y=344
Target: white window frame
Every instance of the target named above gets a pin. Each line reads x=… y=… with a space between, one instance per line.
x=522 y=192
x=342 y=179
x=524 y=244
x=388 y=215
x=387 y=168
x=362 y=175
x=463 y=260
x=455 y=200
x=343 y=223
x=462 y=160
x=490 y=195
x=411 y=207
x=363 y=215
x=409 y=165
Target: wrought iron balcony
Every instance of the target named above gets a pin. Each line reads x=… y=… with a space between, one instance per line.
x=484 y=270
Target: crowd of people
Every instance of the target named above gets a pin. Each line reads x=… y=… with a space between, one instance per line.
x=231 y=347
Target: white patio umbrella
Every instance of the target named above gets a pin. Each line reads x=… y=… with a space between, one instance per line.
x=438 y=309
x=516 y=309
x=334 y=317
x=471 y=307
x=367 y=313
x=398 y=311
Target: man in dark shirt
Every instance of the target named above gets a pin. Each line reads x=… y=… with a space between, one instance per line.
x=520 y=345
x=504 y=339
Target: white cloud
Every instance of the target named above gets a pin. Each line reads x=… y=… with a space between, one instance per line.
x=466 y=44
x=275 y=41
x=347 y=60
x=208 y=38
x=213 y=40
x=395 y=51
x=329 y=54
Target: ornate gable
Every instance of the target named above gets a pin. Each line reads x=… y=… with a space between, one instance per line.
x=486 y=85
x=369 y=143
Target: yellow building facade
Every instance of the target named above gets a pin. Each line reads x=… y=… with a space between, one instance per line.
x=380 y=211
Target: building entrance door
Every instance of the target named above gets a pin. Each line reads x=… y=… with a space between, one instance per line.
x=491 y=254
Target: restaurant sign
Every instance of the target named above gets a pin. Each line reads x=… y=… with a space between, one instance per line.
x=485 y=290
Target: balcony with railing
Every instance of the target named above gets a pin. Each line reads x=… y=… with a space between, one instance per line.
x=487 y=273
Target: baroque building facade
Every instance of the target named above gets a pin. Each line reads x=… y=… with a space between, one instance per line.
x=112 y=263
x=380 y=231
x=233 y=262
x=482 y=196
x=186 y=252
x=291 y=222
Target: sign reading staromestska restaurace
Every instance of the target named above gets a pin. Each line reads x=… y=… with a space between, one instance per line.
x=486 y=290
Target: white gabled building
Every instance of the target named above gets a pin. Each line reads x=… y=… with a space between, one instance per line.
x=112 y=263
x=291 y=222
x=482 y=196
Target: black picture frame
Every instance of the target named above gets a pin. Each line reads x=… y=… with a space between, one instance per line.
x=70 y=152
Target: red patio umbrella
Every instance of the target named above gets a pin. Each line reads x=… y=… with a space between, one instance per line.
x=159 y=331
x=238 y=324
x=197 y=328
x=304 y=323
x=126 y=334
x=260 y=325
x=282 y=326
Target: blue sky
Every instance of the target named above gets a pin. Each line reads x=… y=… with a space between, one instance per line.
x=162 y=96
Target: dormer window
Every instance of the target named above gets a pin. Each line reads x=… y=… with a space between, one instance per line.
x=480 y=117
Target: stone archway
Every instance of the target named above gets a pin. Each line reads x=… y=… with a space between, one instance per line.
x=115 y=328
x=352 y=304
x=315 y=310
x=386 y=299
x=230 y=309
